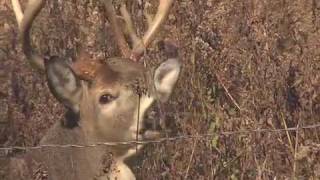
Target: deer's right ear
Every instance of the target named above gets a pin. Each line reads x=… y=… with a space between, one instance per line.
x=63 y=83
x=165 y=77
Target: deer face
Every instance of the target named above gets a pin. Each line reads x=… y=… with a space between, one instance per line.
x=113 y=99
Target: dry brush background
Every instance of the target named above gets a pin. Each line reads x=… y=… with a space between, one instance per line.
x=263 y=53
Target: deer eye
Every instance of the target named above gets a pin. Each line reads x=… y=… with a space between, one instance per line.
x=106 y=98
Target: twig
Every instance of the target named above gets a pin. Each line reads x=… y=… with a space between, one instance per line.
x=295 y=151
x=227 y=92
x=287 y=133
x=138 y=114
x=191 y=157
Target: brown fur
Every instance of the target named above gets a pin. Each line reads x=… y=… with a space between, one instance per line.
x=60 y=163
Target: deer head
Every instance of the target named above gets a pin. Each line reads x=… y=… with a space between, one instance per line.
x=107 y=98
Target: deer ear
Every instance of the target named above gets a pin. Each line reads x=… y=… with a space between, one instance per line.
x=165 y=77
x=63 y=83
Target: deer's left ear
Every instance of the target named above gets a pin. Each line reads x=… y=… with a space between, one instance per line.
x=165 y=77
x=63 y=83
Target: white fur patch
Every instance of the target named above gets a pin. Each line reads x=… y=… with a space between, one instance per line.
x=145 y=103
x=120 y=171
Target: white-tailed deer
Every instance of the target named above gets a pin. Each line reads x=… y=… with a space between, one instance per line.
x=106 y=101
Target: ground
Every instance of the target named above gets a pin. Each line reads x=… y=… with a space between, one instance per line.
x=247 y=65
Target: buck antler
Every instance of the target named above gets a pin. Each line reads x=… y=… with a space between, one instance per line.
x=139 y=45
x=25 y=21
x=34 y=7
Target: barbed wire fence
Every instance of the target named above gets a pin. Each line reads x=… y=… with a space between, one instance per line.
x=6 y=150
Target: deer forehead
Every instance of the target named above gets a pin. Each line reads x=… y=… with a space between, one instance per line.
x=120 y=74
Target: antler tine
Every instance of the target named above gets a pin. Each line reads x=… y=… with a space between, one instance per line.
x=25 y=23
x=161 y=15
x=111 y=15
x=139 y=45
x=126 y=16
x=17 y=11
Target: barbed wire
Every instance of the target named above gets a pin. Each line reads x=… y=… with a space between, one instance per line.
x=160 y=140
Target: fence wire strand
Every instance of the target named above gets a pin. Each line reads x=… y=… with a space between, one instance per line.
x=160 y=140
